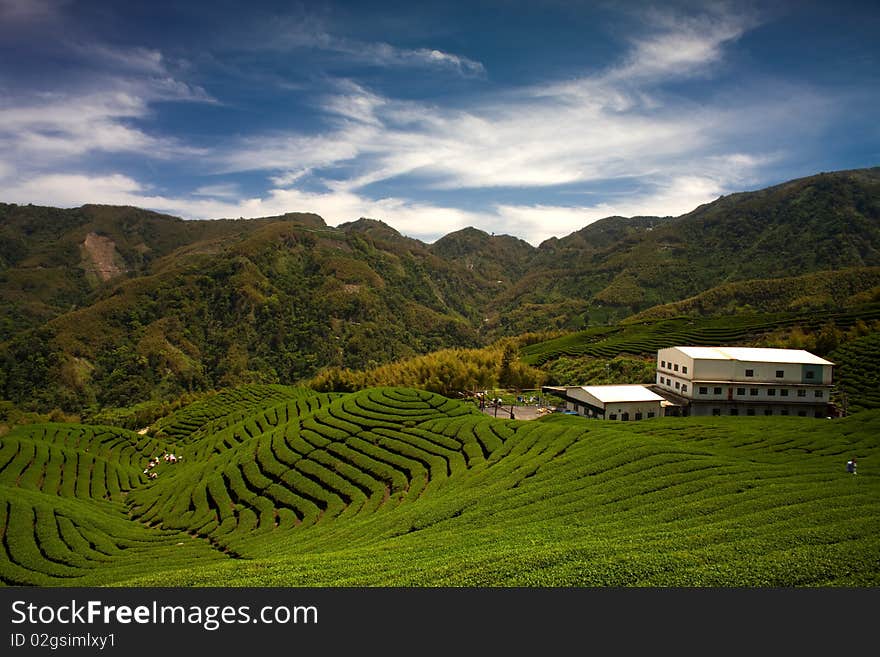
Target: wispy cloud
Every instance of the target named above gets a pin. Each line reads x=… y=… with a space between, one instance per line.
x=682 y=45
x=222 y=190
x=594 y=128
x=309 y=32
x=26 y=11
x=42 y=131
x=105 y=114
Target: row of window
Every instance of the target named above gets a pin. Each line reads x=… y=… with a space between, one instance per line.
x=771 y=392
x=780 y=374
x=625 y=416
x=678 y=386
x=766 y=411
x=673 y=366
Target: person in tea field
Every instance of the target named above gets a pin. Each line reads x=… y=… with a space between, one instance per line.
x=851 y=466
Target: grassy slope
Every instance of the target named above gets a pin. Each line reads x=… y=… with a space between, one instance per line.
x=646 y=337
x=401 y=487
x=653 y=504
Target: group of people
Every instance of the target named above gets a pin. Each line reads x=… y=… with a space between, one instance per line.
x=155 y=460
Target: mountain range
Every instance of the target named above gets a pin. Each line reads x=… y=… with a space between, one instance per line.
x=105 y=305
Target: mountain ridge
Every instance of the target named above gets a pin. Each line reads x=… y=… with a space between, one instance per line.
x=193 y=305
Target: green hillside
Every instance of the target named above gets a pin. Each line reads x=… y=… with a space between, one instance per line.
x=62 y=511
x=395 y=486
x=821 y=291
x=825 y=222
x=272 y=304
x=104 y=307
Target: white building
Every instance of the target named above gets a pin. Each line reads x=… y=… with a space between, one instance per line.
x=745 y=381
x=617 y=402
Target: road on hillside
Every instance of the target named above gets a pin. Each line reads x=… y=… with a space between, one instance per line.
x=519 y=412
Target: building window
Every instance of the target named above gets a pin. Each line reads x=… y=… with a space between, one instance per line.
x=613 y=416
x=740 y=391
x=768 y=411
x=802 y=393
x=716 y=411
x=783 y=393
x=734 y=411
x=753 y=392
x=810 y=374
x=684 y=387
x=684 y=369
x=704 y=390
x=677 y=385
x=716 y=391
x=819 y=394
x=750 y=372
x=784 y=411
x=675 y=367
x=638 y=416
x=650 y=414
x=771 y=392
x=750 y=411
x=780 y=374
x=663 y=363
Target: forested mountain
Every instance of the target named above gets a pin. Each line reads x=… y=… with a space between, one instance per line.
x=110 y=305
x=829 y=221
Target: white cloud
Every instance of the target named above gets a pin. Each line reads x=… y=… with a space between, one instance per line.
x=308 y=32
x=223 y=190
x=70 y=190
x=683 y=45
x=39 y=132
x=42 y=131
x=533 y=223
x=598 y=127
x=136 y=59
x=678 y=196
x=287 y=178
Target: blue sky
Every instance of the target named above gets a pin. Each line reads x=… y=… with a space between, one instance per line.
x=526 y=118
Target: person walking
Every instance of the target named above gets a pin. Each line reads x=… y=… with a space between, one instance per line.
x=851 y=466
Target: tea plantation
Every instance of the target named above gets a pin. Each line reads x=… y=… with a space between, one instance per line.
x=646 y=337
x=282 y=486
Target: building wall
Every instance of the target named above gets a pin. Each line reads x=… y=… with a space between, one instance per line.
x=645 y=409
x=681 y=374
x=635 y=410
x=745 y=393
x=761 y=372
x=724 y=408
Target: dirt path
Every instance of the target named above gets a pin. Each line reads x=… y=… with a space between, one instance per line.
x=519 y=412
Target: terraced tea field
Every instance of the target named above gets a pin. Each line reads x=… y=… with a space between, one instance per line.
x=281 y=486
x=645 y=338
x=857 y=370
